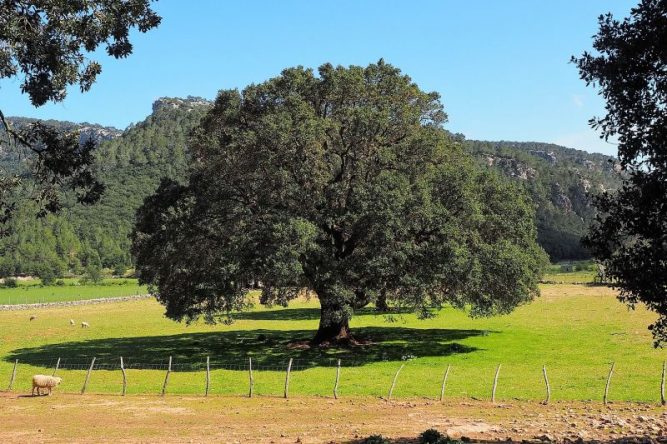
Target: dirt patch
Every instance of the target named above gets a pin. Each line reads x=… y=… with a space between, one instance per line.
x=299 y=345
x=105 y=418
x=156 y=410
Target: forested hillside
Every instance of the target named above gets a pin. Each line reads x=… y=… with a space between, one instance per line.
x=132 y=162
x=561 y=181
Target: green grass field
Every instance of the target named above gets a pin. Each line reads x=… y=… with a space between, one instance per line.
x=573 y=277
x=575 y=330
x=32 y=292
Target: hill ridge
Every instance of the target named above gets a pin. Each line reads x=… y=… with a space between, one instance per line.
x=131 y=163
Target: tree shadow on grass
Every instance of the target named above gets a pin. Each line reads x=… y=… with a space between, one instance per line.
x=282 y=314
x=269 y=349
x=307 y=314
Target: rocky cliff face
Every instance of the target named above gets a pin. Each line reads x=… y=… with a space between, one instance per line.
x=561 y=200
x=98 y=133
x=548 y=156
x=87 y=131
x=562 y=182
x=511 y=167
x=186 y=104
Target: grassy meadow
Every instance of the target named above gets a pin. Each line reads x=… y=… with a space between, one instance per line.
x=574 y=277
x=32 y=292
x=575 y=330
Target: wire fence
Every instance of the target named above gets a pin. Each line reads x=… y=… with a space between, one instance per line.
x=191 y=366
x=325 y=377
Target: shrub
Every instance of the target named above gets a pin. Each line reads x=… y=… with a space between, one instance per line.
x=46 y=274
x=567 y=268
x=119 y=270
x=376 y=439
x=92 y=275
x=431 y=436
x=48 y=269
x=59 y=283
x=11 y=282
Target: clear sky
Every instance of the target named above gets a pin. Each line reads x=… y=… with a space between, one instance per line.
x=502 y=67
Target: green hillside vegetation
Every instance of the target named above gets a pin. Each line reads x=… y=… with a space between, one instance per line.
x=561 y=181
x=132 y=162
x=131 y=167
x=33 y=291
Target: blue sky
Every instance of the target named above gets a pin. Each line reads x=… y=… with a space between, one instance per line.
x=502 y=67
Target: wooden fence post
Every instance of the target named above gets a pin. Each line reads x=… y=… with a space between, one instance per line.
x=11 y=380
x=252 y=381
x=393 y=383
x=606 y=387
x=85 y=383
x=57 y=367
x=122 y=369
x=337 y=379
x=546 y=381
x=289 y=369
x=166 y=378
x=495 y=384
x=444 y=382
x=662 y=383
x=208 y=374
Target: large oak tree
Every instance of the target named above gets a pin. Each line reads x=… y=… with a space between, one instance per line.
x=343 y=183
x=629 y=236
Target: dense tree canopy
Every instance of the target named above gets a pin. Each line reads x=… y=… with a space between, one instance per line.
x=343 y=183
x=629 y=235
x=45 y=44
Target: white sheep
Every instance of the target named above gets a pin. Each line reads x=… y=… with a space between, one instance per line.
x=33 y=317
x=71 y=322
x=43 y=381
x=84 y=324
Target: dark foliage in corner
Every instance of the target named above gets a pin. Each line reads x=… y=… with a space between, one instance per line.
x=629 y=235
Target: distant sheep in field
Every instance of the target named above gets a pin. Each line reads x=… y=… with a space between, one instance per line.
x=33 y=317
x=84 y=324
x=44 y=382
x=71 y=322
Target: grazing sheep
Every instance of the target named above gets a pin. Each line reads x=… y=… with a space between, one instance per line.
x=43 y=381
x=71 y=322
x=33 y=317
x=84 y=324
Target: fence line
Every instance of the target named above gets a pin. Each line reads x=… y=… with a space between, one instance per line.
x=42 y=302
x=113 y=364
x=206 y=366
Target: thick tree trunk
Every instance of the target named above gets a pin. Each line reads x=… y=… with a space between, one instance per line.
x=381 y=303
x=334 y=325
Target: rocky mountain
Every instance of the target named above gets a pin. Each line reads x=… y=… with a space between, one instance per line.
x=562 y=182
x=132 y=162
x=87 y=131
x=189 y=103
x=12 y=159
